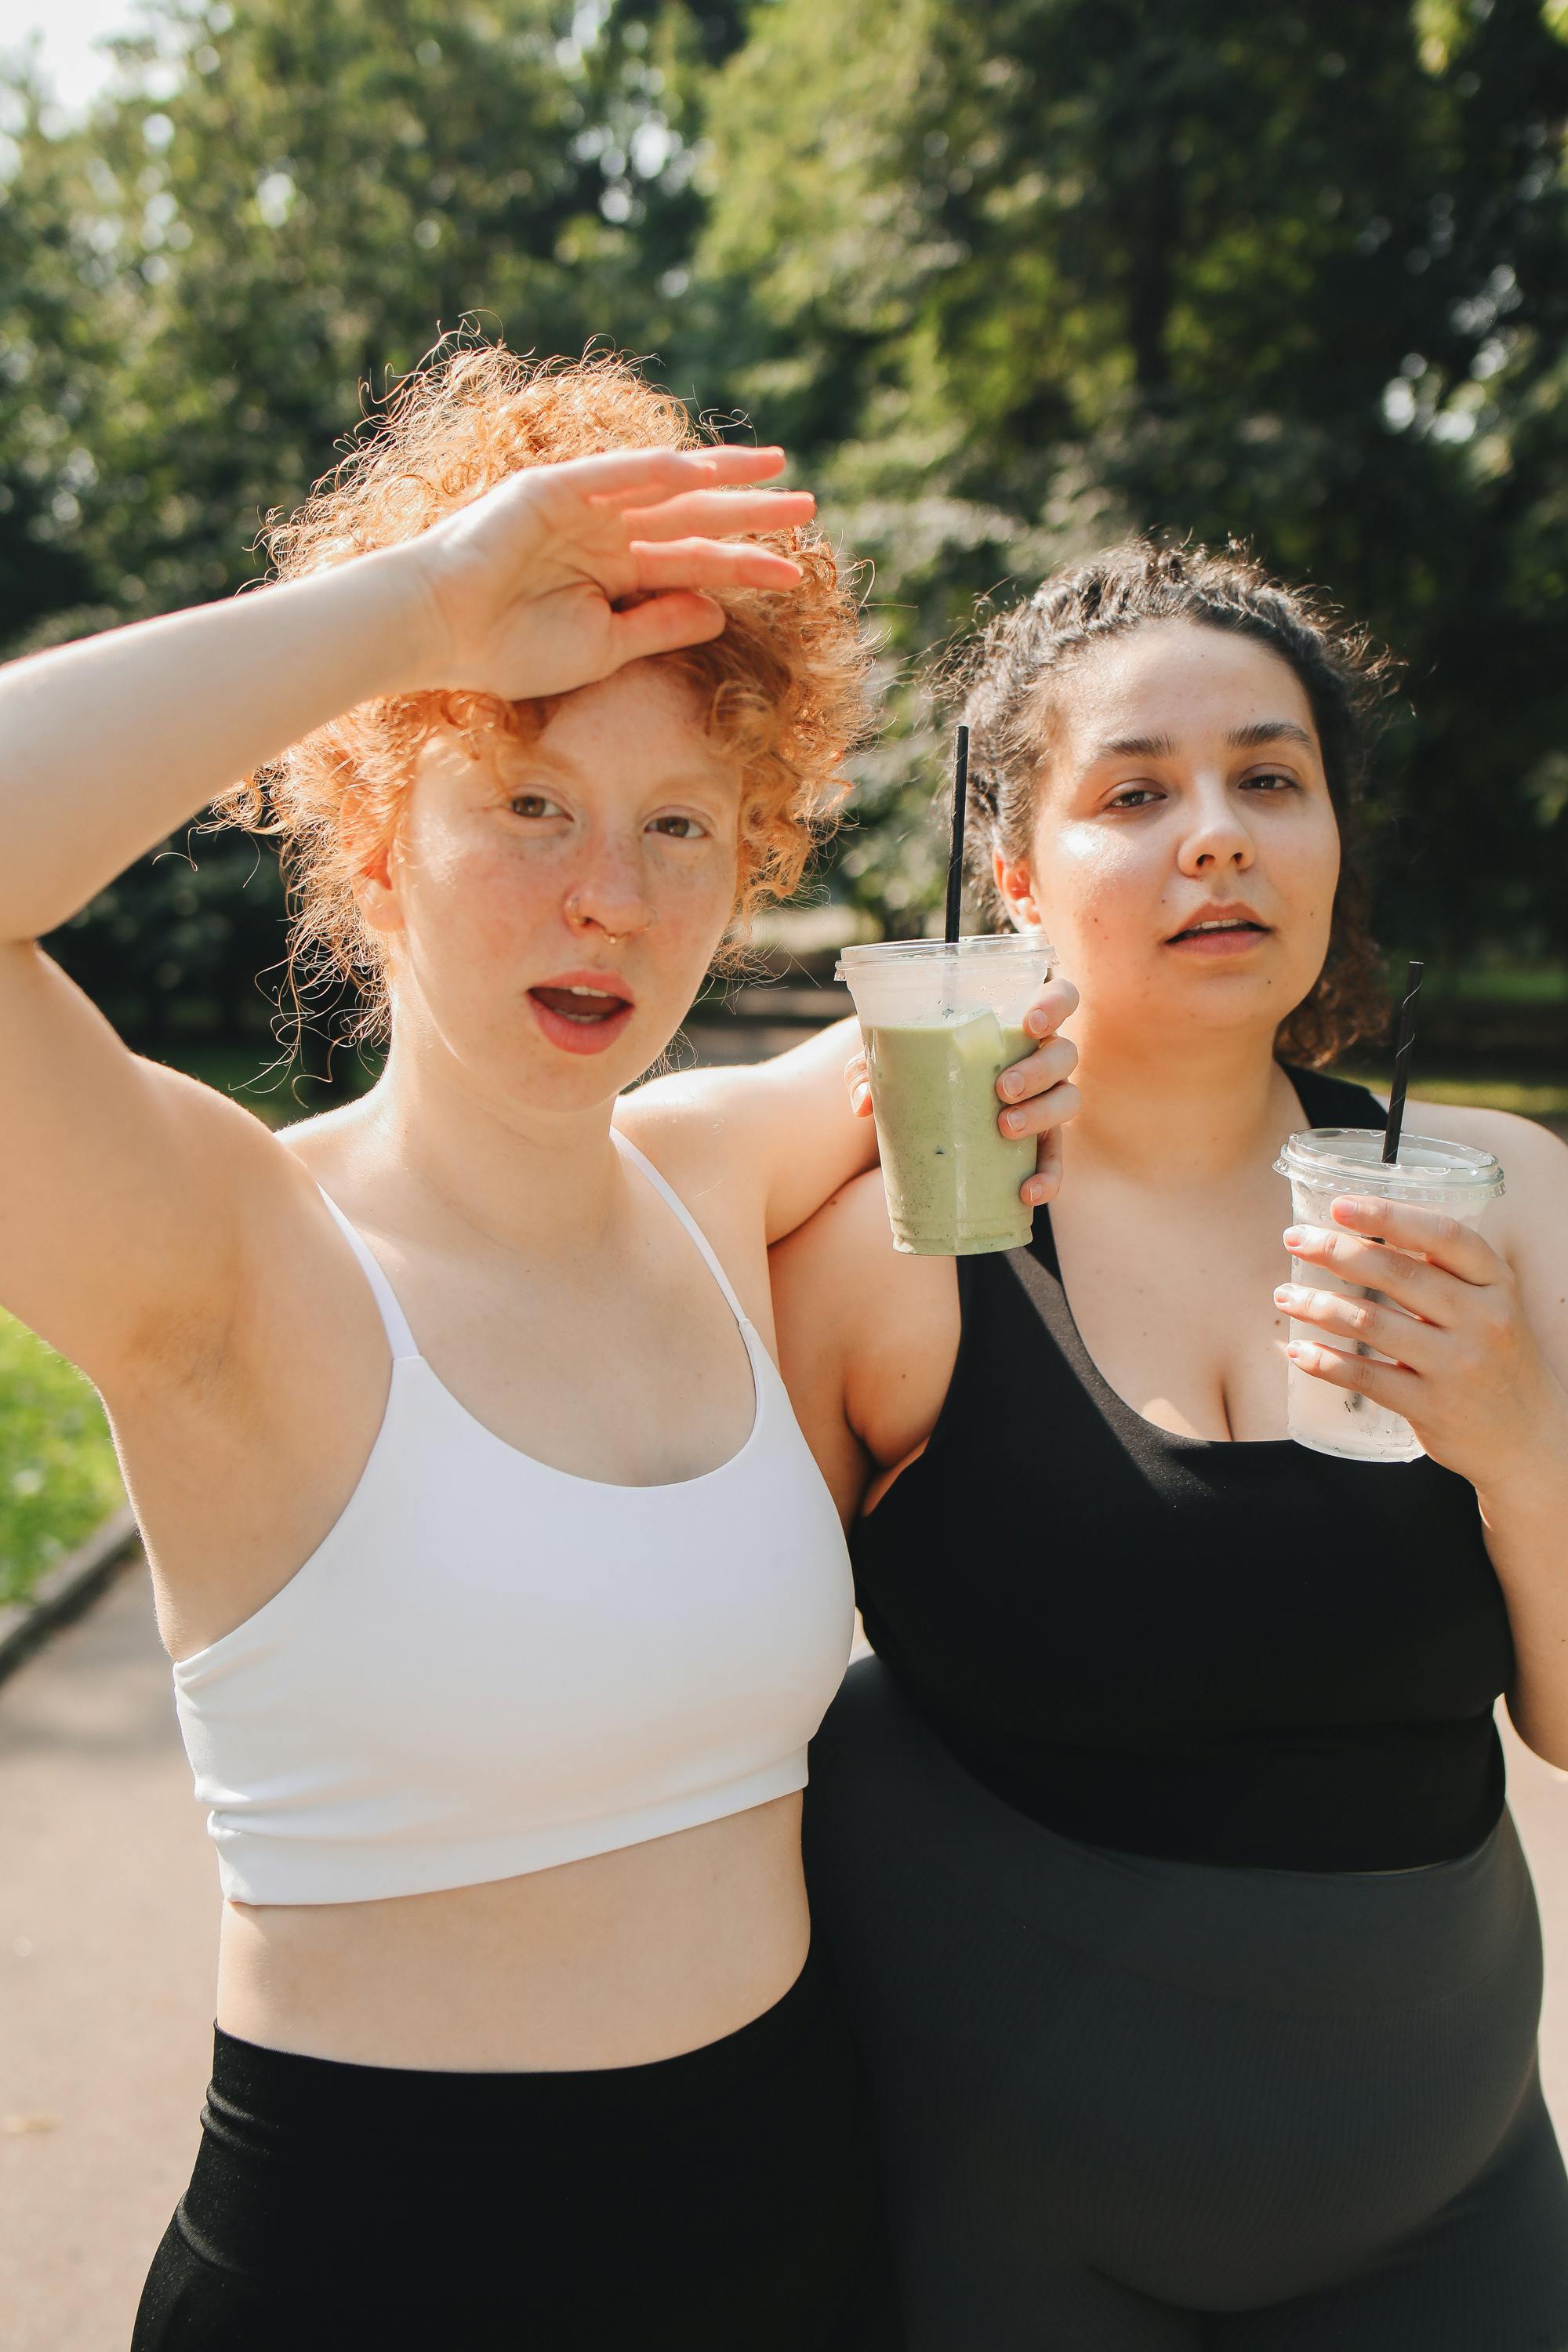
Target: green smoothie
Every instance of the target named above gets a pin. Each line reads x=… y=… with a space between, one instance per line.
x=952 y=1177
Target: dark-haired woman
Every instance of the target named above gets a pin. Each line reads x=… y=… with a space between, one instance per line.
x=1166 y=1862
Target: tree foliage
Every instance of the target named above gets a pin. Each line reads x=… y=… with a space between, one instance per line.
x=211 y=275
x=1010 y=281
x=1021 y=277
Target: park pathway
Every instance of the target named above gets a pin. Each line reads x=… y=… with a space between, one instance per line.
x=108 y=1921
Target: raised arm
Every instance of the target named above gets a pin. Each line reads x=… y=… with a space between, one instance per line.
x=124 y=1188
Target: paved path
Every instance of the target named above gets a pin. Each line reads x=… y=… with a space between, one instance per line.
x=108 y=1945
x=108 y=1923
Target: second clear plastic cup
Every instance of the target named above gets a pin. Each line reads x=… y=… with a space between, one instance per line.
x=1324 y=1165
x=940 y=1024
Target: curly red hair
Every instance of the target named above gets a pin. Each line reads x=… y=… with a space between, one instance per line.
x=785 y=688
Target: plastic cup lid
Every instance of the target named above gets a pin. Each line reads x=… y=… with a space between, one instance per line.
x=1354 y=1155
x=986 y=947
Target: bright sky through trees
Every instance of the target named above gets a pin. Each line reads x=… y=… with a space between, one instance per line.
x=68 y=33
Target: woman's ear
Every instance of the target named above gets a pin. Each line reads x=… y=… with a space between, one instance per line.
x=1016 y=892
x=373 y=859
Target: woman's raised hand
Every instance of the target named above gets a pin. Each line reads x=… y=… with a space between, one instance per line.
x=1037 y=1088
x=562 y=573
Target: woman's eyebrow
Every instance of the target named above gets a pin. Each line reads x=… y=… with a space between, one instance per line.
x=1243 y=739
x=1136 y=747
x=1269 y=730
x=547 y=762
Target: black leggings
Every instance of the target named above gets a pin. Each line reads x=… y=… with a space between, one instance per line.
x=1136 y=2106
x=720 y=2202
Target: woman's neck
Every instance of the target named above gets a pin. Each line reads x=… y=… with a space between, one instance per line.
x=1177 y=1111
x=538 y=1182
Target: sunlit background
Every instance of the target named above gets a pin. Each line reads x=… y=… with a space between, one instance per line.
x=1009 y=281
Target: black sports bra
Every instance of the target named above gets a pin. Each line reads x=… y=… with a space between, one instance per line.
x=1227 y=1653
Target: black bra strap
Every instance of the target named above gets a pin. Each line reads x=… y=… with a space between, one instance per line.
x=1335 y=1102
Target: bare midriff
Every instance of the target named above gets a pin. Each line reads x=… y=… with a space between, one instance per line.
x=618 y=1961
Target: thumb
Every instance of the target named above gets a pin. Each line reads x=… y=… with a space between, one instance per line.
x=661 y=624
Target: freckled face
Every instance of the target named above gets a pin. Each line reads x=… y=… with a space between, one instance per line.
x=1184 y=788
x=551 y=915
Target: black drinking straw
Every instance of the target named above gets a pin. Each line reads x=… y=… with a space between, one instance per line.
x=1402 y=1063
x=955 y=853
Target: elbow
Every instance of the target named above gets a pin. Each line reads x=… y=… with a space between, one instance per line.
x=1543 y=1731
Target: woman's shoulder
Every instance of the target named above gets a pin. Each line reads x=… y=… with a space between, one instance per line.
x=693 y=1126
x=1534 y=1209
x=1513 y=1140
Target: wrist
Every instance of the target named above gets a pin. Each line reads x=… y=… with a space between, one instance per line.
x=401 y=620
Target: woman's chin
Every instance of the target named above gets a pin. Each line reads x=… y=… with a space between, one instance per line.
x=1173 y=1008
x=573 y=1077
x=1235 y=986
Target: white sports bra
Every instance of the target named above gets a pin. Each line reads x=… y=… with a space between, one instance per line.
x=490 y=1666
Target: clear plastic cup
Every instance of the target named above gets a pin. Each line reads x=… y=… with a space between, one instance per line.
x=940 y=1024
x=1324 y=1165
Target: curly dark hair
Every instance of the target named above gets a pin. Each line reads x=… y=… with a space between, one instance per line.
x=1002 y=684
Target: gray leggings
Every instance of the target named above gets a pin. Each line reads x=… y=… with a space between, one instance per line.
x=1135 y=2106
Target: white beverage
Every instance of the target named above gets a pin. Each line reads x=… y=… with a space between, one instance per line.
x=1326 y=1165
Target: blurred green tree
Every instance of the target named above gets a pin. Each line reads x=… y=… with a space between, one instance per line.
x=1016 y=279
x=323 y=191
x=1009 y=281
x=272 y=215
x=55 y=342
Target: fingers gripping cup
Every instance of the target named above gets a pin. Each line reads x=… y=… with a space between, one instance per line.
x=941 y=1022
x=1323 y=1165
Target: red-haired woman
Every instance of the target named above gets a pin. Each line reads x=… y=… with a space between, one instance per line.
x=503 y=1591
x=1162 y=1847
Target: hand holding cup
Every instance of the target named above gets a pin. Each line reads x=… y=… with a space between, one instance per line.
x=1465 y=1373
x=1035 y=1094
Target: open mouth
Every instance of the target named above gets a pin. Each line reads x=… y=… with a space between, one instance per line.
x=585 y=1004
x=580 y=1017
x=1225 y=931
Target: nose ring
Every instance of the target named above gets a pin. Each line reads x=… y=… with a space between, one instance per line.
x=579 y=922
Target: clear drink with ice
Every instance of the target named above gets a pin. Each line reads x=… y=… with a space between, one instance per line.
x=1324 y=1165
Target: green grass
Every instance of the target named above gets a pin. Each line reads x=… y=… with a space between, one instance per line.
x=58 y=1477
x=1532 y=1097
x=1494 y=983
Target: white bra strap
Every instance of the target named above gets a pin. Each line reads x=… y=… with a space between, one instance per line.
x=668 y=1193
x=400 y=1339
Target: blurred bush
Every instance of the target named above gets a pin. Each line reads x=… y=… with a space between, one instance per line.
x=58 y=1477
